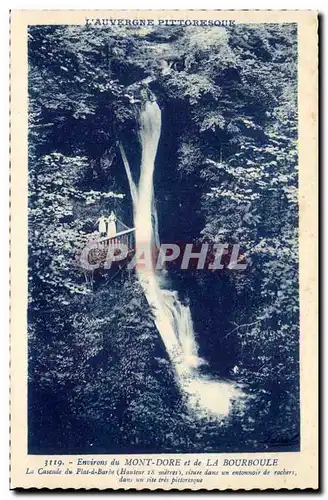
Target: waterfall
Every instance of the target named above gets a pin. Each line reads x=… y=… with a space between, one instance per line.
x=182 y=323
x=172 y=319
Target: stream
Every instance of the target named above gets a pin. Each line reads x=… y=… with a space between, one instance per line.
x=173 y=320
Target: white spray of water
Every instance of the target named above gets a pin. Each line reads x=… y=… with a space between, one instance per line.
x=173 y=319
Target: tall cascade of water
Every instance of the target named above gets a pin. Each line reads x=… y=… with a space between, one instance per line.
x=173 y=319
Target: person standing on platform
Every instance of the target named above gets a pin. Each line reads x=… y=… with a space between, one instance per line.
x=111 y=225
x=102 y=229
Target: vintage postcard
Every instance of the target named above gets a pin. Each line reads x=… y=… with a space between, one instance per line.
x=164 y=172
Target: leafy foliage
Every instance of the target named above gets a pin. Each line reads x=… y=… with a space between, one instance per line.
x=99 y=377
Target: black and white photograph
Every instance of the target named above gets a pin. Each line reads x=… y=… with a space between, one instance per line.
x=163 y=302
x=180 y=139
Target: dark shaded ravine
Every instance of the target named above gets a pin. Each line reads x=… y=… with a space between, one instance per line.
x=173 y=320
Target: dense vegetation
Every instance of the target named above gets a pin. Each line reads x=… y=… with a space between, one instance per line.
x=99 y=377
